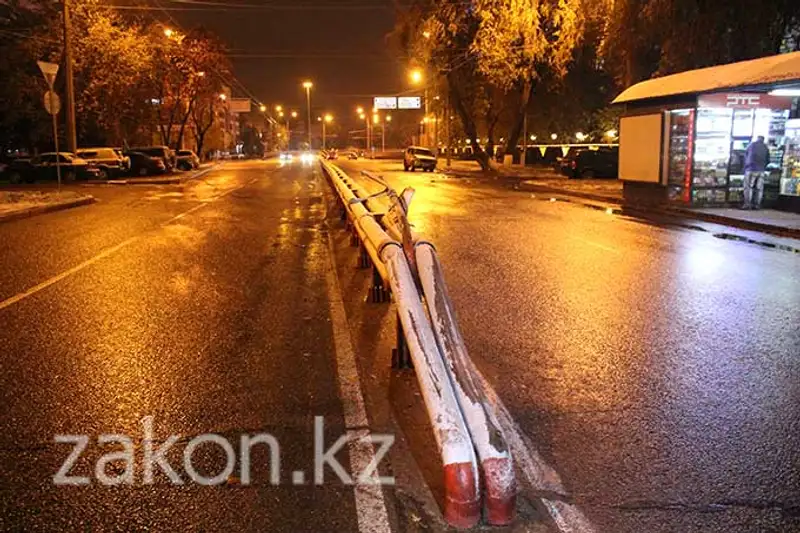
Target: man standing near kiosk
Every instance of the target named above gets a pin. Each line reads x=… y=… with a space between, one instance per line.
x=755 y=165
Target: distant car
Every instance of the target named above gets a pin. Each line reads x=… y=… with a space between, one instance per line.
x=333 y=154
x=418 y=157
x=588 y=163
x=164 y=152
x=145 y=165
x=44 y=167
x=307 y=157
x=107 y=161
x=186 y=160
x=352 y=155
x=285 y=157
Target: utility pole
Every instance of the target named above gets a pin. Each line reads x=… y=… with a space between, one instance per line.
x=524 y=139
x=72 y=136
x=447 y=126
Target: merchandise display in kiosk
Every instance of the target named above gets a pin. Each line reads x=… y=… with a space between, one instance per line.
x=707 y=147
x=790 y=179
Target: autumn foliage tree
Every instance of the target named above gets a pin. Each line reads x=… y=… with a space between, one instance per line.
x=491 y=53
x=130 y=78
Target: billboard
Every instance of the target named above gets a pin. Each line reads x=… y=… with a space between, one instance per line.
x=240 y=105
x=409 y=102
x=385 y=102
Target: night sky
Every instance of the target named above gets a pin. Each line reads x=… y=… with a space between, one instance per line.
x=340 y=45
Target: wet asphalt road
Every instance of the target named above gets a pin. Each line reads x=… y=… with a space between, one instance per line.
x=657 y=369
x=212 y=322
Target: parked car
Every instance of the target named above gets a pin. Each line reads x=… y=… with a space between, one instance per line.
x=43 y=167
x=164 y=152
x=108 y=162
x=418 y=157
x=142 y=164
x=186 y=160
x=333 y=154
x=352 y=155
x=7 y=161
x=588 y=163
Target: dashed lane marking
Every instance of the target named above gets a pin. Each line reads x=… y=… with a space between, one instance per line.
x=102 y=255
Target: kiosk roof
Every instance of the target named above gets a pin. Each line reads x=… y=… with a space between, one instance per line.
x=755 y=74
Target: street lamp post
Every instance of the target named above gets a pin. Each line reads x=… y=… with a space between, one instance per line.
x=327 y=119
x=387 y=118
x=307 y=86
x=417 y=78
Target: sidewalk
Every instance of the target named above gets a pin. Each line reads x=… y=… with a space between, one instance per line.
x=164 y=179
x=472 y=169
x=22 y=204
x=546 y=181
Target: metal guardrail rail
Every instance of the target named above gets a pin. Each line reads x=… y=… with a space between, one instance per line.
x=465 y=426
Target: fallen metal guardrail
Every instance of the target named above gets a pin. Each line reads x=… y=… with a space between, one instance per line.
x=438 y=352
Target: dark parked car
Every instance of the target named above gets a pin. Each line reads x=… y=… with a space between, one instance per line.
x=145 y=165
x=43 y=167
x=588 y=163
x=186 y=160
x=419 y=157
x=107 y=161
x=164 y=152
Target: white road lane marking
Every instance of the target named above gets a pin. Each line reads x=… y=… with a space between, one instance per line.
x=370 y=503
x=601 y=246
x=538 y=475
x=102 y=255
x=55 y=279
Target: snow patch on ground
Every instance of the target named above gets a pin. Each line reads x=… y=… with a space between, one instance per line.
x=11 y=201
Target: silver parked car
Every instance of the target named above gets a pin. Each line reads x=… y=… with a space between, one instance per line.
x=186 y=160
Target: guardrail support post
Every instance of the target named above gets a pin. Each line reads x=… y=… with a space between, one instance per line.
x=378 y=293
x=363 y=257
x=401 y=356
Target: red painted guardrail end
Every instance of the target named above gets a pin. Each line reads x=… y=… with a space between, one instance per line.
x=462 y=506
x=501 y=490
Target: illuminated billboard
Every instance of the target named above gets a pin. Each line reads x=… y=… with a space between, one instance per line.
x=409 y=102
x=385 y=102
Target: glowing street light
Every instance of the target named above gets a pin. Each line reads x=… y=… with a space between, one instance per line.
x=294 y=114
x=280 y=114
x=325 y=120
x=223 y=96
x=554 y=136
x=580 y=136
x=169 y=32
x=307 y=85
x=278 y=108
x=416 y=76
x=611 y=134
x=426 y=34
x=262 y=108
x=533 y=137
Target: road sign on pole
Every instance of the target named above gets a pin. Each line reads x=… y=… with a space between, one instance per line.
x=49 y=71
x=52 y=103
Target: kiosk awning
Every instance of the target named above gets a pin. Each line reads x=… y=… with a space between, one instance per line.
x=756 y=74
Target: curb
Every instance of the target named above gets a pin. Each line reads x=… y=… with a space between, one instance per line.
x=47 y=208
x=640 y=209
x=155 y=181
